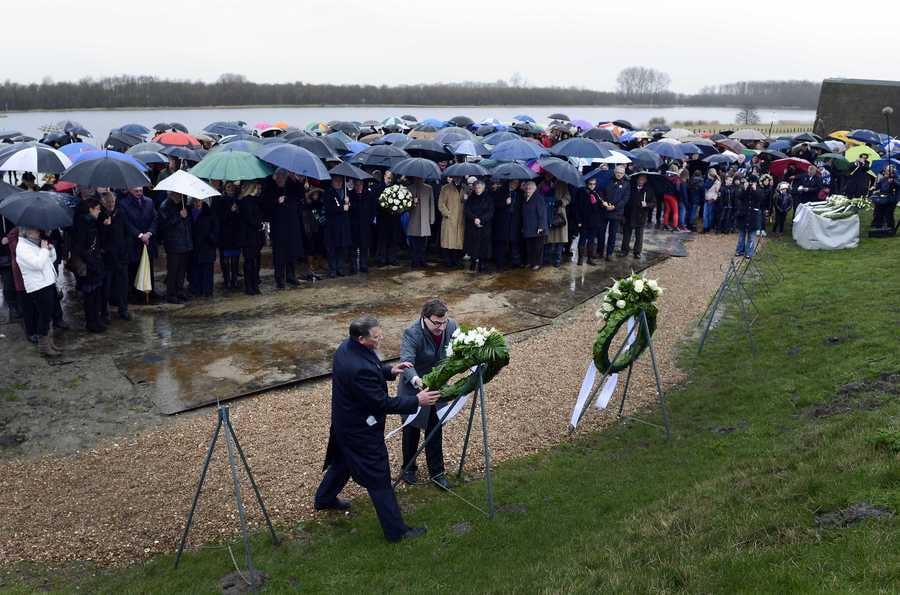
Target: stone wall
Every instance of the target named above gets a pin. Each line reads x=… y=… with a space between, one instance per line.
x=848 y=104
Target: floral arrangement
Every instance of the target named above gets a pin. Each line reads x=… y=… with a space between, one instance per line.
x=839 y=206
x=396 y=198
x=626 y=298
x=468 y=348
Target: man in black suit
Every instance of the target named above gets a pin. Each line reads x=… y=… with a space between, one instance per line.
x=359 y=405
x=424 y=345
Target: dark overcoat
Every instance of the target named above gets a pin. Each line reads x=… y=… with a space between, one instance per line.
x=534 y=216
x=359 y=406
x=635 y=211
x=477 y=241
x=205 y=236
x=140 y=217
x=285 y=231
x=617 y=193
x=337 y=221
x=507 y=217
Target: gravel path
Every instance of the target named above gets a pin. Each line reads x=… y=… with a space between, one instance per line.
x=126 y=501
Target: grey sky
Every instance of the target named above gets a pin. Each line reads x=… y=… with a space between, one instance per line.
x=561 y=42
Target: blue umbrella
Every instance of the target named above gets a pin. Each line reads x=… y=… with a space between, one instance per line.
x=780 y=145
x=689 y=149
x=149 y=157
x=869 y=137
x=391 y=138
x=135 y=129
x=524 y=118
x=73 y=149
x=248 y=146
x=580 y=147
x=644 y=159
x=469 y=149
x=515 y=150
x=879 y=164
x=512 y=171
x=433 y=122
x=417 y=167
x=295 y=159
x=224 y=128
x=498 y=137
x=670 y=150
x=464 y=170
x=182 y=153
x=718 y=159
x=355 y=147
x=100 y=154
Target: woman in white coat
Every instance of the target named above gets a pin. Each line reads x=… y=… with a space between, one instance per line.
x=35 y=257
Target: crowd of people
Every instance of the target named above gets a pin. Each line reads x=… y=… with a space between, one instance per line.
x=336 y=227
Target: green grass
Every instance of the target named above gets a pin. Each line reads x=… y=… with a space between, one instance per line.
x=727 y=506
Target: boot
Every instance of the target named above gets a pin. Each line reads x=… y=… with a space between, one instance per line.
x=53 y=343
x=226 y=275
x=582 y=248
x=45 y=348
x=592 y=252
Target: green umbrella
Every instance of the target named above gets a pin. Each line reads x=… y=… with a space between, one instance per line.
x=839 y=161
x=231 y=165
x=750 y=152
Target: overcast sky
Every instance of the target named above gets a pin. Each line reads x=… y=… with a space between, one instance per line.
x=557 y=42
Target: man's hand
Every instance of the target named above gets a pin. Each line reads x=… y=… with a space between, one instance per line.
x=183 y=212
x=4 y=241
x=400 y=367
x=281 y=200
x=428 y=397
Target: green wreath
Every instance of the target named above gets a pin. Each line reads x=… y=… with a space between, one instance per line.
x=609 y=330
x=627 y=298
x=492 y=355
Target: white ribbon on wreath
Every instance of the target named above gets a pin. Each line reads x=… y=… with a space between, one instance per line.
x=590 y=378
x=457 y=407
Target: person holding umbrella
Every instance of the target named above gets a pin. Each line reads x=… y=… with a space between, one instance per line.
x=639 y=205
x=35 y=256
x=205 y=237
x=86 y=262
x=140 y=222
x=421 y=218
x=388 y=228
x=507 y=227
x=336 y=203
x=282 y=199
x=534 y=224
x=589 y=205
x=615 y=197
x=479 y=211
x=858 y=178
x=888 y=189
x=225 y=208
x=250 y=235
x=175 y=228
x=116 y=246
x=363 y=207
x=451 y=203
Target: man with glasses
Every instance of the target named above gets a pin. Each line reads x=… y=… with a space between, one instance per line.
x=424 y=345
x=359 y=406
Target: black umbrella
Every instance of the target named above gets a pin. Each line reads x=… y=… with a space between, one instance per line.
x=409 y=118
x=148 y=157
x=348 y=128
x=624 y=124
x=499 y=137
x=512 y=171
x=273 y=140
x=485 y=130
x=5 y=134
x=337 y=143
x=161 y=127
x=464 y=170
x=461 y=121
x=559 y=116
x=379 y=156
x=236 y=137
x=580 y=147
x=425 y=128
x=562 y=171
x=181 y=153
x=37 y=210
x=224 y=128
x=121 y=141
x=645 y=159
x=806 y=137
x=72 y=127
x=349 y=171
x=317 y=146
x=179 y=127
x=56 y=138
x=771 y=154
x=429 y=149
x=598 y=134
x=108 y=172
x=7 y=189
x=416 y=167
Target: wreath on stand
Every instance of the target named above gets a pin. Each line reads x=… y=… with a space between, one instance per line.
x=468 y=348
x=627 y=298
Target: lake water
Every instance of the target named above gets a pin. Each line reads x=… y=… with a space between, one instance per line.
x=100 y=122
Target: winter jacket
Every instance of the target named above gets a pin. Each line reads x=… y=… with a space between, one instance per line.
x=451 y=205
x=617 y=193
x=35 y=264
x=534 y=216
x=175 y=229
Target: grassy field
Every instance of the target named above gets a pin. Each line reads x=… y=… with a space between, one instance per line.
x=761 y=449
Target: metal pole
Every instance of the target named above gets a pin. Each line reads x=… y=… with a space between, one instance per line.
x=603 y=378
x=259 y=499
x=462 y=459
x=662 y=399
x=712 y=314
x=625 y=390
x=487 y=449
x=229 y=436
x=427 y=440
x=190 y=517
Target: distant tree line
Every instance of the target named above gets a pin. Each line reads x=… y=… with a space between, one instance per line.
x=636 y=85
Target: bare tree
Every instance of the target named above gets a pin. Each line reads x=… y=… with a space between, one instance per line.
x=637 y=82
x=747 y=116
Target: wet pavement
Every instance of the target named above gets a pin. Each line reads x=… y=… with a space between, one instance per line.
x=173 y=358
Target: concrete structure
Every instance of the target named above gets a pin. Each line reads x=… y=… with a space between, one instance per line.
x=848 y=104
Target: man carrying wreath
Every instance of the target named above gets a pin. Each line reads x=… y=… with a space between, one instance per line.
x=424 y=345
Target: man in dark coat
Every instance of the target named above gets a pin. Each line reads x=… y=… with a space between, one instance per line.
x=140 y=221
x=615 y=197
x=175 y=228
x=283 y=204
x=808 y=186
x=479 y=211
x=116 y=248
x=591 y=216
x=363 y=206
x=250 y=238
x=359 y=406
x=637 y=209
x=225 y=208
x=746 y=209
x=887 y=193
x=858 y=179
x=424 y=345
x=534 y=224
x=336 y=203
x=507 y=228
x=205 y=229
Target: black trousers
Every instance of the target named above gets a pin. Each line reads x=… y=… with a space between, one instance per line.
x=9 y=288
x=384 y=500
x=92 y=301
x=778 y=226
x=884 y=215
x=606 y=234
x=418 y=245
x=284 y=268
x=390 y=239
x=115 y=288
x=627 y=230
x=28 y=312
x=434 y=450
x=534 y=250
x=202 y=278
x=506 y=252
x=176 y=272
x=251 y=269
x=43 y=304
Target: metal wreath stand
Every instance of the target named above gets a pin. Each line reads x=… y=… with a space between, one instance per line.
x=488 y=476
x=641 y=327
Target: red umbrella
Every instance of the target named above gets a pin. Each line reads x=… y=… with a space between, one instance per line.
x=778 y=167
x=176 y=138
x=63 y=186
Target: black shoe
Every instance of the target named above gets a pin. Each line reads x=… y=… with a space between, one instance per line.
x=338 y=504
x=441 y=481
x=411 y=533
x=61 y=325
x=637 y=255
x=33 y=339
x=173 y=300
x=279 y=286
x=293 y=282
x=124 y=316
x=96 y=328
x=608 y=258
x=409 y=477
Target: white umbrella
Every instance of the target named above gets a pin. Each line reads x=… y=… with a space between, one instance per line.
x=678 y=133
x=616 y=158
x=836 y=146
x=188 y=184
x=33 y=156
